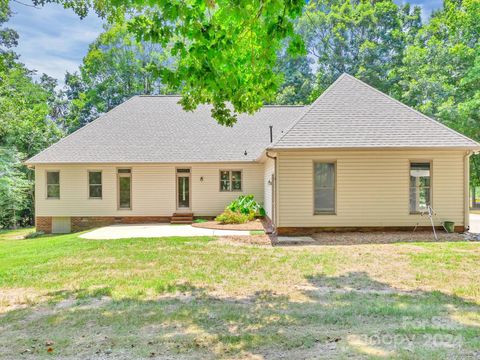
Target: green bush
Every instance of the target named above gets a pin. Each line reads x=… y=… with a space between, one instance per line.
x=233 y=217
x=246 y=204
x=239 y=211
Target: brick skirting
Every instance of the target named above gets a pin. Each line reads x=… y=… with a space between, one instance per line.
x=80 y=223
x=301 y=231
x=43 y=223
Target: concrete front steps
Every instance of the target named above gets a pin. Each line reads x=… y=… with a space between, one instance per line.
x=182 y=218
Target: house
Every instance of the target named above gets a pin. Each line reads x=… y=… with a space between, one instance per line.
x=354 y=159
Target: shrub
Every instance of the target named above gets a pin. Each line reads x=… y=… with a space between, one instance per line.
x=246 y=204
x=233 y=217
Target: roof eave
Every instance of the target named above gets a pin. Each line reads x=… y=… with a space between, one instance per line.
x=440 y=148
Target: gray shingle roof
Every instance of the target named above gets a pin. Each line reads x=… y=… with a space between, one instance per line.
x=157 y=129
x=352 y=114
x=349 y=114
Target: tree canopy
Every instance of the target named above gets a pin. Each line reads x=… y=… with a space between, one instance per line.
x=225 y=51
x=116 y=67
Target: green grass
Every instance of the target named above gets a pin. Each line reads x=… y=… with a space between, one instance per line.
x=198 y=221
x=15 y=234
x=202 y=298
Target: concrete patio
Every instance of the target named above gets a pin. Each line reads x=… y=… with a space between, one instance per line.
x=122 y=231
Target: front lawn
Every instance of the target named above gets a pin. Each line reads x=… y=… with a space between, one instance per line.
x=209 y=298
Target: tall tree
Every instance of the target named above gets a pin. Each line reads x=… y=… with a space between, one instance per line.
x=15 y=190
x=364 y=38
x=116 y=67
x=441 y=72
x=226 y=50
x=28 y=124
x=298 y=79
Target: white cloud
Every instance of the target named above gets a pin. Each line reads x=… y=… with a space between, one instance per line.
x=53 y=40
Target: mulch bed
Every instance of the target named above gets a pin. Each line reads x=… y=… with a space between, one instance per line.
x=355 y=238
x=251 y=225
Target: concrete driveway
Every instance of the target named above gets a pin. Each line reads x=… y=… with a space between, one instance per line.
x=475 y=223
x=122 y=231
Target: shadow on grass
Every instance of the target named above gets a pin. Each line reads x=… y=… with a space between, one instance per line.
x=344 y=316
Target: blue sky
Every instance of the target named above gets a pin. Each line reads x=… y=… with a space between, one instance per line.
x=54 y=40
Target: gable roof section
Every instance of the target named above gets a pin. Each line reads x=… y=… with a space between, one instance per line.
x=147 y=129
x=352 y=114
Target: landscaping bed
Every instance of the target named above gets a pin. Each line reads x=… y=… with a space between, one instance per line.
x=382 y=237
x=251 y=225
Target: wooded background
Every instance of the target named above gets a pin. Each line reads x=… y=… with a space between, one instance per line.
x=248 y=53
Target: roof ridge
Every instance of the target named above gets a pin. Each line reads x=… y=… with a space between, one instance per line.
x=100 y=117
x=410 y=108
x=309 y=108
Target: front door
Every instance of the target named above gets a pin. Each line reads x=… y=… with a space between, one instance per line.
x=183 y=189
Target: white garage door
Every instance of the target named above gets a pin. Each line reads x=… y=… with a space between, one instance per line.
x=61 y=225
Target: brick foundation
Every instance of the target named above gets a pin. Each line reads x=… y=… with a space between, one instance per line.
x=80 y=223
x=43 y=223
x=302 y=231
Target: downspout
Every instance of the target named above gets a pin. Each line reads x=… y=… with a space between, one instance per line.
x=466 y=189
x=274 y=191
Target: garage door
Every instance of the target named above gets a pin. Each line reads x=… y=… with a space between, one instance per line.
x=61 y=225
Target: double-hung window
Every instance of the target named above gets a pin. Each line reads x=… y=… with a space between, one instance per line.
x=53 y=185
x=230 y=180
x=420 y=186
x=324 y=187
x=95 y=184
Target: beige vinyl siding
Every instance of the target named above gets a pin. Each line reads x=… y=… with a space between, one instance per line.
x=372 y=187
x=268 y=187
x=153 y=189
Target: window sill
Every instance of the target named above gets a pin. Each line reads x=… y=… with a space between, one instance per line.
x=95 y=198
x=52 y=198
x=324 y=213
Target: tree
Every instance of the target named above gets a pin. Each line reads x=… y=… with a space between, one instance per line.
x=29 y=122
x=364 y=38
x=8 y=37
x=116 y=67
x=298 y=79
x=226 y=50
x=441 y=71
x=15 y=201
